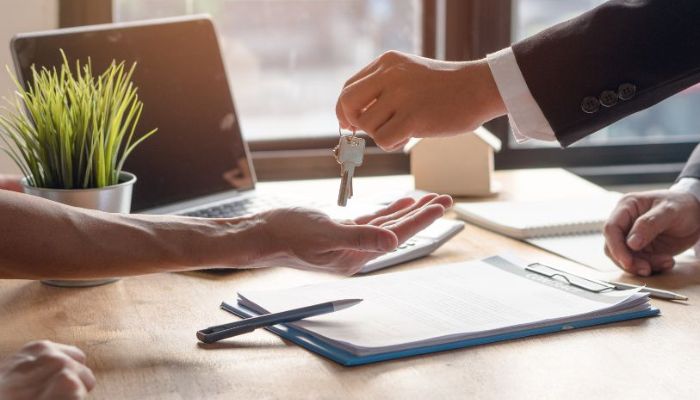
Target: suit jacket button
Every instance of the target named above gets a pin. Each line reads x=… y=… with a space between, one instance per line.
x=608 y=98
x=590 y=104
x=626 y=91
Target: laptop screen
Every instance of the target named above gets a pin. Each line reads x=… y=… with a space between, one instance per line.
x=198 y=149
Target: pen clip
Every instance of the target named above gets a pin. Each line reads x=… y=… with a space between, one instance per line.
x=212 y=334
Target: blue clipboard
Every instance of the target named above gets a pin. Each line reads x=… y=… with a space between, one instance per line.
x=347 y=359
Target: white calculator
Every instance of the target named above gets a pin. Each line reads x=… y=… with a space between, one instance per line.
x=420 y=245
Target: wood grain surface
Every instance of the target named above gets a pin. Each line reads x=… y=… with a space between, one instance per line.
x=139 y=333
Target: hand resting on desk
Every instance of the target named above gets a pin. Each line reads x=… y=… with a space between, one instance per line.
x=45 y=370
x=645 y=230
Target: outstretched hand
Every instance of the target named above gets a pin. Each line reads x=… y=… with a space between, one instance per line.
x=311 y=240
x=645 y=230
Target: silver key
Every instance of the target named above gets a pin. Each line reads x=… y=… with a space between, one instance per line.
x=349 y=153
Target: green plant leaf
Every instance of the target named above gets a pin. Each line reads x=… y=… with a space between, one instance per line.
x=71 y=129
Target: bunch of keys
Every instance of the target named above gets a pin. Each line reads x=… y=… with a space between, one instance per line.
x=349 y=153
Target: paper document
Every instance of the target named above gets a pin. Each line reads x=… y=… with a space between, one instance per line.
x=441 y=304
x=585 y=249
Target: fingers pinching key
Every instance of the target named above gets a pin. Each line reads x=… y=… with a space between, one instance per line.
x=349 y=153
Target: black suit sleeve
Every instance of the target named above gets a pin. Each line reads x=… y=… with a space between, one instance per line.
x=610 y=62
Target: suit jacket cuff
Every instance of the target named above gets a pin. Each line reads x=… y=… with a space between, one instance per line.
x=525 y=116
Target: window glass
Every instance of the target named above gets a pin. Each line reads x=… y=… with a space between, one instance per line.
x=673 y=120
x=288 y=59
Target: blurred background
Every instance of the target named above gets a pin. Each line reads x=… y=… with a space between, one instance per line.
x=288 y=60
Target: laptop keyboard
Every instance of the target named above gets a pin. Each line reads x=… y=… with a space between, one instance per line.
x=246 y=206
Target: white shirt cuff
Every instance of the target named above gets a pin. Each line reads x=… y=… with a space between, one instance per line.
x=692 y=186
x=687 y=185
x=526 y=118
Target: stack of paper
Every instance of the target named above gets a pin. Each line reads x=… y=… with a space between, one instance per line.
x=439 y=308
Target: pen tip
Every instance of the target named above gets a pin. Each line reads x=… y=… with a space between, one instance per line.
x=342 y=304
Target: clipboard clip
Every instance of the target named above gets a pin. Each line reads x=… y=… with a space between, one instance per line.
x=580 y=282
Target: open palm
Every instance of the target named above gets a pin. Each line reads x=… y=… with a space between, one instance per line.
x=311 y=240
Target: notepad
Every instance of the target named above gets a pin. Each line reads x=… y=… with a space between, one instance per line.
x=438 y=308
x=529 y=219
x=571 y=228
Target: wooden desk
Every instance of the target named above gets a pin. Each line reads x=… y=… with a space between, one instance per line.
x=139 y=334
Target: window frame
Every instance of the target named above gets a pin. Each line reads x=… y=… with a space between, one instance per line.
x=491 y=28
x=451 y=30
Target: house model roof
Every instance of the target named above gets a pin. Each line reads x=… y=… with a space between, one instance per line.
x=480 y=132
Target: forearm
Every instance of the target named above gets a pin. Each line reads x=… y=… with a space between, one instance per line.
x=40 y=239
x=10 y=182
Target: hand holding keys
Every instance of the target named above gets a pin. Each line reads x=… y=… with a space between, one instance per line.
x=349 y=153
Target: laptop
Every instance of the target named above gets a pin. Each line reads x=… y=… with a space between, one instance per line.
x=198 y=163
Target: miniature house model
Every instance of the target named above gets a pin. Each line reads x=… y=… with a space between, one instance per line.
x=459 y=165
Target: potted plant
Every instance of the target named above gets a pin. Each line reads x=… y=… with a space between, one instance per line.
x=70 y=133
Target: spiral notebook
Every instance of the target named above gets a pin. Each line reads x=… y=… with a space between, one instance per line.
x=571 y=228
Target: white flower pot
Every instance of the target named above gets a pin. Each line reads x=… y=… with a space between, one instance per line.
x=115 y=198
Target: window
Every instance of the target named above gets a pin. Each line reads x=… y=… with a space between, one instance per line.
x=650 y=146
x=288 y=59
x=673 y=120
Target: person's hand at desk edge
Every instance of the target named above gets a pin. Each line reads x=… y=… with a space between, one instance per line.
x=45 y=370
x=646 y=230
x=47 y=240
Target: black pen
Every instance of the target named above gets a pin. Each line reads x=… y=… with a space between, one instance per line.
x=216 y=333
